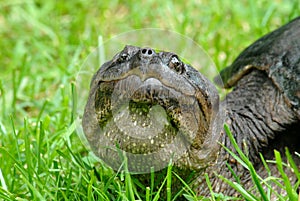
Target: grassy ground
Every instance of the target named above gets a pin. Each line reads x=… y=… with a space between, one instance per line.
x=42 y=46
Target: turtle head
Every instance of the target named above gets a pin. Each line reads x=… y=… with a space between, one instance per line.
x=153 y=107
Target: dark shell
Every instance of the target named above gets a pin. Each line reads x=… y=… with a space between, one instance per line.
x=278 y=54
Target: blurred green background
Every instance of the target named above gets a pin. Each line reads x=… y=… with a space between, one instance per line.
x=44 y=43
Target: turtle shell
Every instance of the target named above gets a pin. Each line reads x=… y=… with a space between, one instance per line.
x=278 y=54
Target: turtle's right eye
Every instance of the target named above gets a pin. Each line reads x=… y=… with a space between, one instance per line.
x=176 y=64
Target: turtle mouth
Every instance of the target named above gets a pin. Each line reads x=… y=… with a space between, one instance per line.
x=146 y=117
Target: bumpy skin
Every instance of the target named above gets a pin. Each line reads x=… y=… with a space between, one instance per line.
x=154 y=107
x=262 y=110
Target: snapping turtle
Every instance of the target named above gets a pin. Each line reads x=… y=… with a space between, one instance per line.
x=155 y=107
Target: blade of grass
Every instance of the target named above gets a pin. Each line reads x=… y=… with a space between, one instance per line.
x=101 y=51
x=169 y=181
x=240 y=189
x=74 y=102
x=269 y=190
x=292 y=163
x=209 y=187
x=35 y=192
x=7 y=196
x=13 y=103
x=157 y=195
x=3 y=96
x=237 y=179
x=152 y=181
x=2 y=128
x=40 y=137
x=255 y=178
x=2 y=181
x=42 y=111
x=90 y=187
x=15 y=137
x=235 y=156
x=147 y=193
x=292 y=194
x=128 y=182
x=186 y=188
x=28 y=151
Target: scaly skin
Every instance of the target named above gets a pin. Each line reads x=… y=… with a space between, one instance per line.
x=260 y=121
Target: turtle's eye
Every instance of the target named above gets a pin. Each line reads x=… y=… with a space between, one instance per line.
x=123 y=57
x=176 y=64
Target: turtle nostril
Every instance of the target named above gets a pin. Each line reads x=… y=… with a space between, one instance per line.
x=147 y=51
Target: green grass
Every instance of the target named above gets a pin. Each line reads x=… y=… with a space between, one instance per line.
x=43 y=45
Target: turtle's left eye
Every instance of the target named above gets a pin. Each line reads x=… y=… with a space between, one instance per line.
x=176 y=64
x=123 y=57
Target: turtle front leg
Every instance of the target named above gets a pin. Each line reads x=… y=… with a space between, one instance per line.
x=260 y=121
x=258 y=113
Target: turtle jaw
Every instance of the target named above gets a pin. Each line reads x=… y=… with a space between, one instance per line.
x=145 y=118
